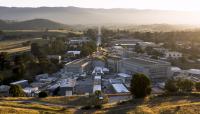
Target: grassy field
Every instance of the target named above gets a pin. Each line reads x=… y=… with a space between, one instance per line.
x=14 y=46
x=71 y=105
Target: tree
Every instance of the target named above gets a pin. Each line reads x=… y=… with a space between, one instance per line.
x=171 y=85
x=1 y=78
x=16 y=91
x=185 y=85
x=140 y=85
x=19 y=69
x=43 y=94
x=4 y=60
x=35 y=50
x=197 y=86
x=138 y=48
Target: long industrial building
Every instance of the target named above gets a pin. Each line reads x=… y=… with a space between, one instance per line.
x=155 y=69
x=78 y=66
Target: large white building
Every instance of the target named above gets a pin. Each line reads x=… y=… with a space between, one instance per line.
x=77 y=66
x=78 y=40
x=155 y=69
x=173 y=54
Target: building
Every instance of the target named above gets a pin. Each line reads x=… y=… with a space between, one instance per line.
x=155 y=69
x=194 y=73
x=31 y=91
x=78 y=66
x=147 y=44
x=22 y=83
x=74 y=53
x=126 y=42
x=67 y=87
x=78 y=40
x=41 y=76
x=96 y=88
x=176 y=71
x=113 y=63
x=97 y=84
x=126 y=79
x=120 y=88
x=161 y=50
x=4 y=90
x=173 y=55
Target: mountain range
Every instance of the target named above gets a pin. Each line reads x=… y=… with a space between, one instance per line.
x=75 y=15
x=31 y=25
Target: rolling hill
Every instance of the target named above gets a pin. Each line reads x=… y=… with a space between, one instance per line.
x=75 y=15
x=31 y=25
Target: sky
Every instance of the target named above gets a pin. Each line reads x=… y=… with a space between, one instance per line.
x=176 y=5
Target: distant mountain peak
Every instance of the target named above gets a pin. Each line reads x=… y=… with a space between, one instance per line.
x=76 y=15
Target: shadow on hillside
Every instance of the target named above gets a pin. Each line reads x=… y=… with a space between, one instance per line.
x=121 y=108
x=170 y=99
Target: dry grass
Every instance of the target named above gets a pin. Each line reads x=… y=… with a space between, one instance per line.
x=33 y=108
x=15 y=50
x=168 y=105
x=157 y=105
x=72 y=100
x=8 y=44
x=11 y=110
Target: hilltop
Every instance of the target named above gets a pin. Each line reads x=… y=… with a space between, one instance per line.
x=76 y=15
x=34 y=24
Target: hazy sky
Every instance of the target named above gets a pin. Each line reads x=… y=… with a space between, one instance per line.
x=184 y=5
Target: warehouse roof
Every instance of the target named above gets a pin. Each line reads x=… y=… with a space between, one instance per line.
x=120 y=88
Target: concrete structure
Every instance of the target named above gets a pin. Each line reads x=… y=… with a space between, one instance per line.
x=97 y=84
x=161 y=50
x=155 y=69
x=126 y=78
x=96 y=88
x=173 y=55
x=31 y=91
x=120 y=88
x=74 y=53
x=22 y=83
x=41 y=76
x=176 y=71
x=4 y=90
x=113 y=63
x=147 y=44
x=194 y=73
x=67 y=87
x=77 y=66
x=115 y=81
x=126 y=42
x=78 y=40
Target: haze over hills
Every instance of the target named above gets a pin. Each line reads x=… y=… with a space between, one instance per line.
x=75 y=15
x=31 y=25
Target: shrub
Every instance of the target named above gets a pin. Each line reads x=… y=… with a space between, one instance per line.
x=43 y=94
x=87 y=107
x=185 y=85
x=171 y=85
x=140 y=86
x=122 y=102
x=16 y=91
x=99 y=106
